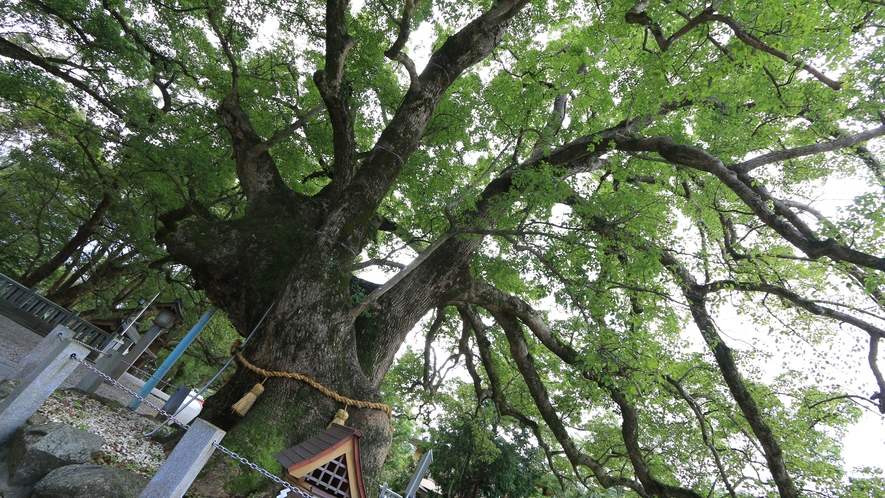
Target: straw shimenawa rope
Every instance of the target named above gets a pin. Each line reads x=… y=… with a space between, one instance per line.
x=292 y=375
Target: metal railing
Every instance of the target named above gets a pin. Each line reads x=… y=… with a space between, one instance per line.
x=387 y=492
x=30 y=309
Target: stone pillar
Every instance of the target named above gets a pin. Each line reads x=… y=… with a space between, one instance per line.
x=39 y=383
x=185 y=462
x=92 y=381
x=58 y=335
x=116 y=364
x=136 y=351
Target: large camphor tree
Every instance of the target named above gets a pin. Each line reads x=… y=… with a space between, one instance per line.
x=605 y=213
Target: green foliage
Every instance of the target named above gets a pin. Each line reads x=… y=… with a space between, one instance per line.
x=472 y=458
x=400 y=463
x=204 y=358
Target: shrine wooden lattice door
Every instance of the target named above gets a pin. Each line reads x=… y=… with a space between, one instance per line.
x=331 y=478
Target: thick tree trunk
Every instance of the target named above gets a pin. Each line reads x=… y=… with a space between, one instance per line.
x=296 y=253
x=290 y=411
x=275 y=256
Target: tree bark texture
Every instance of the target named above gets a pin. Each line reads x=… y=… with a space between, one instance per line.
x=270 y=258
x=295 y=254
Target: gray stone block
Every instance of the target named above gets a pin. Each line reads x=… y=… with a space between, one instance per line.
x=185 y=461
x=37 y=419
x=59 y=336
x=36 y=450
x=89 y=481
x=38 y=385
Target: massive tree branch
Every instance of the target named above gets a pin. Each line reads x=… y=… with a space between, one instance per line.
x=801 y=302
x=110 y=269
x=705 y=432
x=156 y=57
x=473 y=322
x=395 y=53
x=873 y=359
x=427 y=282
x=730 y=373
x=258 y=175
x=329 y=81
x=709 y=14
x=66 y=20
x=519 y=351
x=808 y=150
x=84 y=232
x=404 y=28
x=758 y=44
x=379 y=170
x=280 y=135
x=696 y=296
x=756 y=197
x=15 y=52
x=553 y=125
x=429 y=373
x=437 y=274
x=664 y=43
x=509 y=311
x=256 y=170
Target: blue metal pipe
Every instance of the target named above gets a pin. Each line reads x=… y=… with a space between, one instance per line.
x=173 y=357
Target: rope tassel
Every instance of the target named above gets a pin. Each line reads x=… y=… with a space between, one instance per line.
x=340 y=417
x=242 y=406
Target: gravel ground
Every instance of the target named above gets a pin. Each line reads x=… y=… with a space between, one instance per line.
x=17 y=341
x=121 y=428
x=106 y=414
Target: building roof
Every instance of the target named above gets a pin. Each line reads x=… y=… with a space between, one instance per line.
x=324 y=448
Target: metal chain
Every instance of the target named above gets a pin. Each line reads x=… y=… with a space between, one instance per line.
x=91 y=348
x=102 y=353
x=186 y=427
x=261 y=471
x=130 y=391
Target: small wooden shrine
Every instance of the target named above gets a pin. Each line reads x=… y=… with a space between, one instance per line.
x=326 y=465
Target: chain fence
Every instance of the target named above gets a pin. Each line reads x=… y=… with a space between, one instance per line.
x=87 y=346
x=170 y=418
x=144 y=373
x=261 y=471
x=132 y=393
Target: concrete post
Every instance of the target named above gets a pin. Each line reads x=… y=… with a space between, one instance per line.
x=116 y=364
x=136 y=351
x=92 y=381
x=185 y=462
x=36 y=356
x=38 y=385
